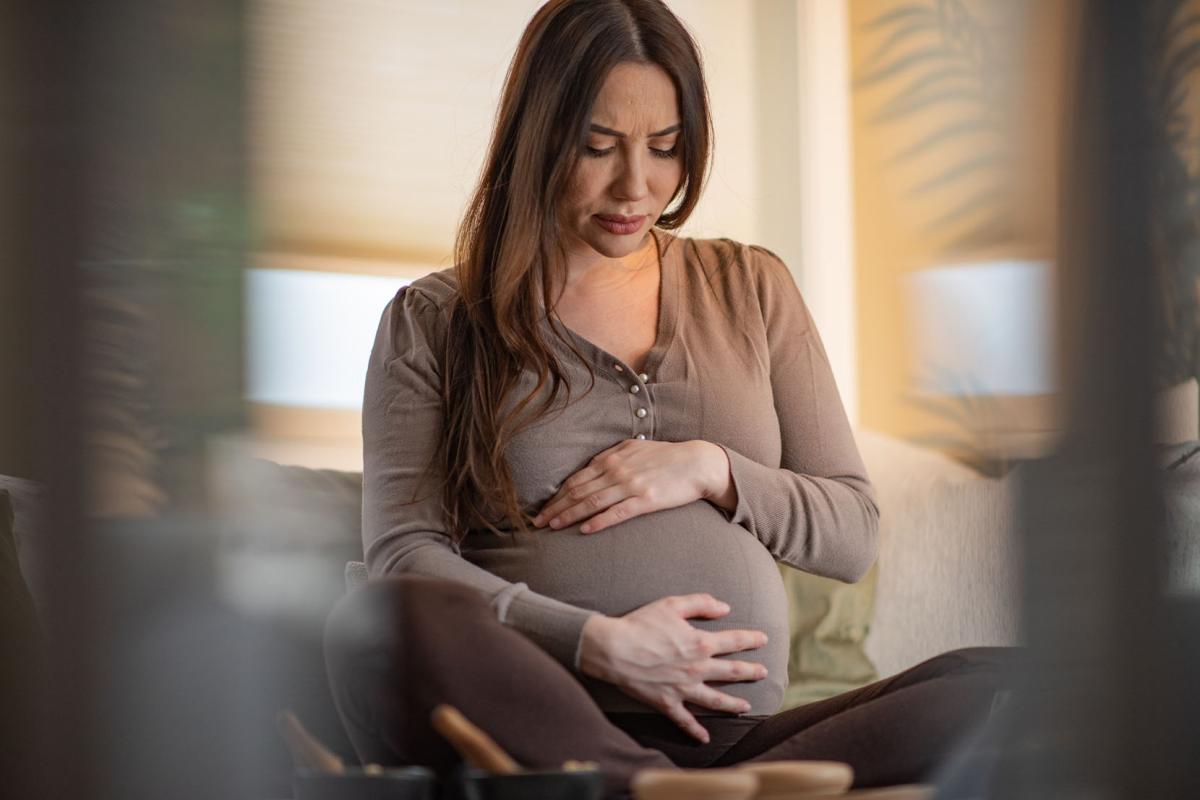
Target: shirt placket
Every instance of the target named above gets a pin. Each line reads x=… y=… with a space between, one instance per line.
x=641 y=404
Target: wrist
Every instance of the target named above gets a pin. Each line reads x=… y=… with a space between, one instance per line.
x=717 y=481
x=593 y=645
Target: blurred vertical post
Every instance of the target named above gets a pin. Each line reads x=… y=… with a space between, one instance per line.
x=1103 y=712
x=124 y=141
x=45 y=150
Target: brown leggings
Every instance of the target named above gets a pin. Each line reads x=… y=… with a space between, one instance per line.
x=396 y=648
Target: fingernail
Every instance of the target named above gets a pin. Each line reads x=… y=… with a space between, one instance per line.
x=554 y=522
x=585 y=528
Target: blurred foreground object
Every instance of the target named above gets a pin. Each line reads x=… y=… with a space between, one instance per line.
x=1108 y=703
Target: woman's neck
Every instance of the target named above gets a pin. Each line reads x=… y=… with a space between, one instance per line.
x=594 y=273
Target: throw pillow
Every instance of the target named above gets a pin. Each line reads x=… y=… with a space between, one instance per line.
x=829 y=621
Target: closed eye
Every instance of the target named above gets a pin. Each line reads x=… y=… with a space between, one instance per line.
x=596 y=152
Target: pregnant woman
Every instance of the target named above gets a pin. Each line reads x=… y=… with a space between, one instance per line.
x=588 y=443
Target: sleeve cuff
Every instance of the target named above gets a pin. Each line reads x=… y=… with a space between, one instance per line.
x=554 y=626
x=739 y=475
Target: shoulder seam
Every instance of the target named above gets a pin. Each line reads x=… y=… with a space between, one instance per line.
x=421 y=294
x=434 y=288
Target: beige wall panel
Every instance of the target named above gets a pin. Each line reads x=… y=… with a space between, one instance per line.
x=900 y=228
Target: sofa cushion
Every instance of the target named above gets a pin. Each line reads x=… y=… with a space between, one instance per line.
x=829 y=621
x=948 y=562
x=288 y=532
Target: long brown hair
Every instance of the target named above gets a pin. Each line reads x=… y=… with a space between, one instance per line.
x=508 y=256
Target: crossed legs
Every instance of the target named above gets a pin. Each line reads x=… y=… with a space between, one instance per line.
x=398 y=647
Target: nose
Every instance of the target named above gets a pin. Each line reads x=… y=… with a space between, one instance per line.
x=630 y=181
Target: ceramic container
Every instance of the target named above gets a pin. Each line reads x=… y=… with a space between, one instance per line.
x=394 y=783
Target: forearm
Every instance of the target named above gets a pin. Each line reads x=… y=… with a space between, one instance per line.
x=553 y=625
x=826 y=525
x=822 y=525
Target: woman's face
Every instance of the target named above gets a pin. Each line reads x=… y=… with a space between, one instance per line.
x=630 y=167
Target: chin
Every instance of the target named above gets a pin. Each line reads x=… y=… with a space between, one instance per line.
x=611 y=245
x=611 y=249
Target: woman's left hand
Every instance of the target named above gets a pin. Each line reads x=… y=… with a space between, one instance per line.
x=637 y=477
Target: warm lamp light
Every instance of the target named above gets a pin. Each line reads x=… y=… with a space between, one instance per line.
x=984 y=328
x=309 y=335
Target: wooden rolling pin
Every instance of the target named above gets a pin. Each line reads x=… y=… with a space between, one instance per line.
x=305 y=749
x=785 y=780
x=773 y=780
x=694 y=784
x=912 y=791
x=476 y=747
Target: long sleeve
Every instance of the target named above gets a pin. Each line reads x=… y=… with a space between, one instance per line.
x=404 y=528
x=817 y=511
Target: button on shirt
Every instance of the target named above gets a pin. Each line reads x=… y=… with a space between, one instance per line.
x=736 y=361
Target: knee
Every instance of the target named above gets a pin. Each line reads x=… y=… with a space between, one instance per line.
x=377 y=616
x=995 y=664
x=997 y=658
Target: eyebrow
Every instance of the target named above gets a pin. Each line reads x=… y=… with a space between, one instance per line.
x=610 y=132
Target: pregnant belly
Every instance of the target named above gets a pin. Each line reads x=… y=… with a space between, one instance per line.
x=677 y=551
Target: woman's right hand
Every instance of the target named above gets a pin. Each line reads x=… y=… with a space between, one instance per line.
x=655 y=655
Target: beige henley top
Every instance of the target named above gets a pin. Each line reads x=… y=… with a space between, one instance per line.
x=738 y=362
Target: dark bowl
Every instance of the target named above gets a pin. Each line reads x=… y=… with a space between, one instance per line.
x=393 y=783
x=545 y=785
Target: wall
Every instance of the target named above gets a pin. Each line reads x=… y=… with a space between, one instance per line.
x=1005 y=110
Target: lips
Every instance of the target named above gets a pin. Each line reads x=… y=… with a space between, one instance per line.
x=618 y=224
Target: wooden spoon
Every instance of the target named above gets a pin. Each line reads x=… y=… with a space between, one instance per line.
x=306 y=750
x=476 y=747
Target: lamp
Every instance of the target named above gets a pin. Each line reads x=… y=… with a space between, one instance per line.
x=983 y=336
x=308 y=336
